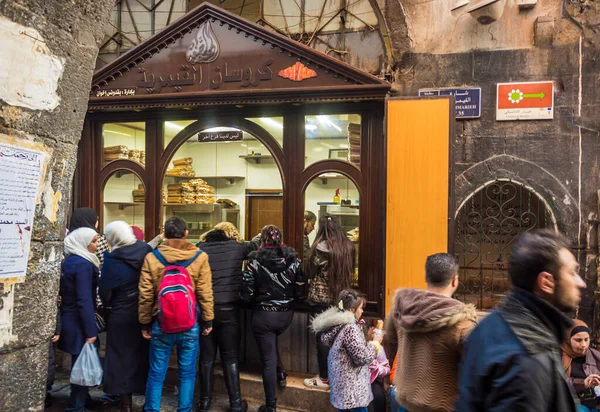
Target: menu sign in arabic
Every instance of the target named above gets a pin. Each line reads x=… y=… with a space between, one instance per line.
x=20 y=172
x=467 y=100
x=228 y=136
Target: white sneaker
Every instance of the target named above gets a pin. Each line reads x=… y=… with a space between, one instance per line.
x=315 y=382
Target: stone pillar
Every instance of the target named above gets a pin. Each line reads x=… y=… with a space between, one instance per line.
x=48 y=51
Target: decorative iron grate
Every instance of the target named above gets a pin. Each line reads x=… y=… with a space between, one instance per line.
x=486 y=226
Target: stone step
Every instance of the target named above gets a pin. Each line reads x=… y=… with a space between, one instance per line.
x=294 y=396
x=60 y=396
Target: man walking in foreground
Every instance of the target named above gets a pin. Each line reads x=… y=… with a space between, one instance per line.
x=430 y=328
x=176 y=279
x=512 y=359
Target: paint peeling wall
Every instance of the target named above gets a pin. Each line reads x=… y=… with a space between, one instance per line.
x=47 y=51
x=29 y=72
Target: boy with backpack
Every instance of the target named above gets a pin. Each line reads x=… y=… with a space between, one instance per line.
x=175 y=306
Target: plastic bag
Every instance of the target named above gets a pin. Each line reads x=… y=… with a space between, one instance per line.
x=87 y=370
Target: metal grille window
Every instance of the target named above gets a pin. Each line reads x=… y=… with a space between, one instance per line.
x=487 y=224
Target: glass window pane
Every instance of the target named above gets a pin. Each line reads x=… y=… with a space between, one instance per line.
x=336 y=195
x=273 y=125
x=124 y=197
x=230 y=176
x=124 y=141
x=333 y=137
x=171 y=128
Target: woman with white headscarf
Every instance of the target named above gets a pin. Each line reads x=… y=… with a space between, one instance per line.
x=78 y=282
x=126 y=360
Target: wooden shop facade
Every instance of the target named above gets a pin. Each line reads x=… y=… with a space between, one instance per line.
x=216 y=118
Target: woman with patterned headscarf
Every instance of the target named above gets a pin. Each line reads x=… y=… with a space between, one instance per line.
x=87 y=217
x=582 y=366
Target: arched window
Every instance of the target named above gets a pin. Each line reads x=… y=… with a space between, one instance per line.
x=487 y=224
x=320 y=198
x=124 y=199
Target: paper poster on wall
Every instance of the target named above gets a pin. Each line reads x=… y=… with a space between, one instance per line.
x=20 y=173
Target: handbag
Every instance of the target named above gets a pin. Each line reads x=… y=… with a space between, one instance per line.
x=100 y=322
x=318 y=290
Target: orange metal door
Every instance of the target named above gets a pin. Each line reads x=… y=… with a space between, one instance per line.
x=419 y=187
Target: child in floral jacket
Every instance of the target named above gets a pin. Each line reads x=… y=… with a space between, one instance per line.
x=350 y=354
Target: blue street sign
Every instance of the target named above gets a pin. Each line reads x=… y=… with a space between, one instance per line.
x=468 y=100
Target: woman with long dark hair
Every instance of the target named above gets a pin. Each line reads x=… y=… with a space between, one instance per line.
x=330 y=270
x=226 y=251
x=126 y=359
x=273 y=280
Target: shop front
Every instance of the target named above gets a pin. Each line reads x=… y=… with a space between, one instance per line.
x=218 y=119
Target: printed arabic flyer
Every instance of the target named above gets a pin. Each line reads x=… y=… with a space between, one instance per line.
x=20 y=175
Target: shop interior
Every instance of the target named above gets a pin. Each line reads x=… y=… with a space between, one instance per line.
x=233 y=179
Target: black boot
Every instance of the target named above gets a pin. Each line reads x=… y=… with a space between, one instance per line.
x=281 y=377
x=265 y=408
x=126 y=403
x=206 y=376
x=231 y=373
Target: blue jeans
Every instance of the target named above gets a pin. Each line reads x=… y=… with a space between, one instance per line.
x=586 y=409
x=361 y=409
x=393 y=403
x=161 y=346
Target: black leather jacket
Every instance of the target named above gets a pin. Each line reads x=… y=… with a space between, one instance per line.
x=273 y=279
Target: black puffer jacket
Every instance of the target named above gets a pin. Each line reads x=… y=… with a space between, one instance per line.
x=273 y=279
x=225 y=257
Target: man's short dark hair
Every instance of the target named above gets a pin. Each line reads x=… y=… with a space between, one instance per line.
x=440 y=268
x=175 y=228
x=533 y=253
x=310 y=216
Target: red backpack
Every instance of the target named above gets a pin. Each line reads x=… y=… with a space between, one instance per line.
x=177 y=308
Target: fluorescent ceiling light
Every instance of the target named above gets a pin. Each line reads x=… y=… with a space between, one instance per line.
x=174 y=126
x=271 y=122
x=119 y=133
x=327 y=121
x=310 y=127
x=221 y=129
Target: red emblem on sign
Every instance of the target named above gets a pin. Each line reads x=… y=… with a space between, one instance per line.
x=297 y=72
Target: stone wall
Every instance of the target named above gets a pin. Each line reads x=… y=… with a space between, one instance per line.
x=44 y=88
x=558 y=159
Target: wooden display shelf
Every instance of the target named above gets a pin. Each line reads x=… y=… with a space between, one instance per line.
x=193 y=207
x=326 y=177
x=230 y=179
x=256 y=159
x=123 y=205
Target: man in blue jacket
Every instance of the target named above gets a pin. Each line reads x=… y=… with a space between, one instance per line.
x=512 y=361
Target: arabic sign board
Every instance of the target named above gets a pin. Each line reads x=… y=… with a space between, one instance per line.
x=468 y=100
x=20 y=173
x=116 y=92
x=229 y=136
x=525 y=101
x=214 y=58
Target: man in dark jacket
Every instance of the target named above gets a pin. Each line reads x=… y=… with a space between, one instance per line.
x=512 y=359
